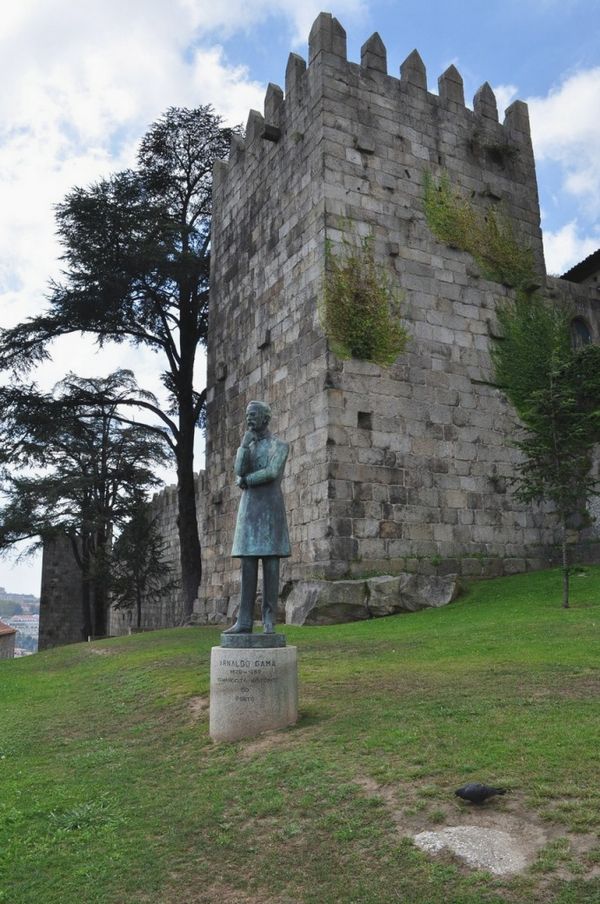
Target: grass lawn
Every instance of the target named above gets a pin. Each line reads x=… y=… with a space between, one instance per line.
x=111 y=791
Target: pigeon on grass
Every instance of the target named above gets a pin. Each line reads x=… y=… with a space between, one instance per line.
x=478 y=793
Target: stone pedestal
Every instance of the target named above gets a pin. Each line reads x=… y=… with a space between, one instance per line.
x=252 y=689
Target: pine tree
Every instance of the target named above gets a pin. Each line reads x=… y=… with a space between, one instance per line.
x=555 y=390
x=136 y=252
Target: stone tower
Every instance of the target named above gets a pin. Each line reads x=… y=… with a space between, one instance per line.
x=390 y=469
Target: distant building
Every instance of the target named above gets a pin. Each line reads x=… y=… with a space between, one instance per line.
x=586 y=272
x=7 y=641
x=28 y=599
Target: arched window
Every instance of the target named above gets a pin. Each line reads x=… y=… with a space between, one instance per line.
x=580 y=332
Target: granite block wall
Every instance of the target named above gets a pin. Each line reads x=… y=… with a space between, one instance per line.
x=61 y=616
x=164 y=608
x=406 y=468
x=7 y=641
x=390 y=469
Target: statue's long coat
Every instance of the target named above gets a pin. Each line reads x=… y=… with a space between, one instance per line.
x=261 y=527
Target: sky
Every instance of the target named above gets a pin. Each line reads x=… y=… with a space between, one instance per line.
x=82 y=82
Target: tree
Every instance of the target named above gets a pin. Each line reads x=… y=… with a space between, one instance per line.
x=140 y=569
x=70 y=466
x=136 y=253
x=555 y=389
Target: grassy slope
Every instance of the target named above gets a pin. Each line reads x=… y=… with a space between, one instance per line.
x=111 y=791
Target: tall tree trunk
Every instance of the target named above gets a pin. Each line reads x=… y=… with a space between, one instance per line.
x=565 y=567
x=100 y=584
x=187 y=521
x=189 y=539
x=87 y=626
x=86 y=608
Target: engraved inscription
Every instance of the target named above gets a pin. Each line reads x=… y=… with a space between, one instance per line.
x=241 y=673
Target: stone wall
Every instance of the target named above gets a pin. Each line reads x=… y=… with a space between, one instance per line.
x=264 y=334
x=404 y=468
x=7 y=641
x=61 y=616
x=163 y=609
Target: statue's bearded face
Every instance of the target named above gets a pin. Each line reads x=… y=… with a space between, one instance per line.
x=256 y=418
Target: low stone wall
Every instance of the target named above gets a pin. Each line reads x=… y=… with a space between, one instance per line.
x=7 y=641
x=61 y=617
x=164 y=610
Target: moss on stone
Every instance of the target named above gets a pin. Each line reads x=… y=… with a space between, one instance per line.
x=360 y=305
x=489 y=238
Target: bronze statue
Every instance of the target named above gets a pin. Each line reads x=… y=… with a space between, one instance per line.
x=261 y=529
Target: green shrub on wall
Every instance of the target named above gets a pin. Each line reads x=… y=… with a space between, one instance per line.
x=490 y=239
x=360 y=307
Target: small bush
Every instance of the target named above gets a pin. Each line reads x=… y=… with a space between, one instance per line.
x=450 y=217
x=490 y=239
x=360 y=309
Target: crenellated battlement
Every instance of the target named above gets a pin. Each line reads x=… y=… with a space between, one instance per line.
x=389 y=468
x=327 y=60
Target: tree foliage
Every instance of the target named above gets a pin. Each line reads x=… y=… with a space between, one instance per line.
x=136 y=269
x=489 y=238
x=555 y=390
x=360 y=308
x=141 y=571
x=71 y=466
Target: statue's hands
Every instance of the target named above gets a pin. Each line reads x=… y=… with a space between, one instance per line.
x=249 y=437
x=241 y=482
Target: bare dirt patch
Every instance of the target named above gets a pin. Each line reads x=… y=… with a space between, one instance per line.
x=267 y=741
x=280 y=738
x=198 y=707
x=498 y=821
x=220 y=893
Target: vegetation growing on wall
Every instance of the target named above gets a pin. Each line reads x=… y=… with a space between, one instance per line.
x=360 y=308
x=553 y=387
x=555 y=390
x=490 y=239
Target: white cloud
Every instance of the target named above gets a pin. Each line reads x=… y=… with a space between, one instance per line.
x=86 y=81
x=236 y=14
x=565 y=128
x=505 y=94
x=567 y=246
x=81 y=84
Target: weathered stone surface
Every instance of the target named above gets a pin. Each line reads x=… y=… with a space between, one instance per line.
x=252 y=691
x=386 y=464
x=480 y=848
x=373 y=54
x=7 y=641
x=388 y=467
x=484 y=102
x=328 y=602
x=61 y=620
x=450 y=86
x=409 y=592
x=412 y=71
x=166 y=609
x=326 y=35
x=273 y=104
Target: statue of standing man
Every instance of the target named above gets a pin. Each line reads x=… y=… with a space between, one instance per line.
x=261 y=529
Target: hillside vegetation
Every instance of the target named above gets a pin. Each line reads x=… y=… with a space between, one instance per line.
x=112 y=792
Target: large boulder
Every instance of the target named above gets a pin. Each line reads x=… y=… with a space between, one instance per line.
x=331 y=602
x=409 y=592
x=326 y=602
